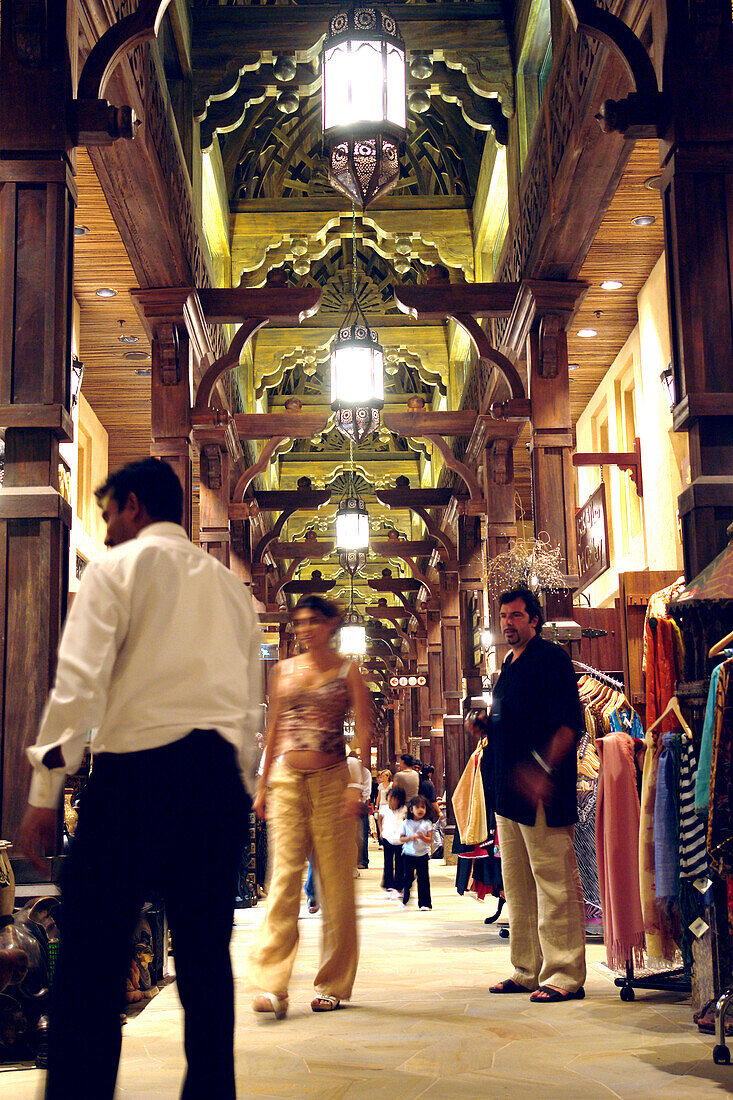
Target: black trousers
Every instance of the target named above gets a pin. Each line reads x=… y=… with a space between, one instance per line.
x=173 y=820
x=392 y=865
x=416 y=865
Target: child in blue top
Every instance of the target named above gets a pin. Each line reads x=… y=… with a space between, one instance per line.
x=416 y=839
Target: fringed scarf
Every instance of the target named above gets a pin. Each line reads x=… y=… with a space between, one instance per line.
x=617 y=852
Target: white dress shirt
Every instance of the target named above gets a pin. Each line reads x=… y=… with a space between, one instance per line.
x=161 y=639
x=360 y=775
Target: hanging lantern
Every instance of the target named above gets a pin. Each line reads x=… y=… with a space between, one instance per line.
x=357 y=378
x=363 y=93
x=357 y=424
x=352 y=636
x=352 y=524
x=352 y=561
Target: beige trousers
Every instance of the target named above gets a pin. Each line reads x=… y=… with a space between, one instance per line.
x=545 y=900
x=304 y=819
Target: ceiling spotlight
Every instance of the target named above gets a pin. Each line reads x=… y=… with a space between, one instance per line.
x=81 y=230
x=144 y=372
x=643 y=220
x=611 y=284
x=129 y=339
x=653 y=183
x=106 y=292
x=587 y=333
x=139 y=355
x=573 y=366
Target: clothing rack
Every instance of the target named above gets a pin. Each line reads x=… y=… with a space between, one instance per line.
x=604 y=679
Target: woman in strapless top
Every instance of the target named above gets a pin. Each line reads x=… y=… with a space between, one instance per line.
x=312 y=809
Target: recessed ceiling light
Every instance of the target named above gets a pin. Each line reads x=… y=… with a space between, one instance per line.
x=81 y=230
x=586 y=333
x=106 y=292
x=653 y=183
x=129 y=339
x=573 y=366
x=643 y=220
x=611 y=284
x=144 y=372
x=136 y=355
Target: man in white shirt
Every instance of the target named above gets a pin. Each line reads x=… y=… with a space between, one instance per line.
x=360 y=774
x=160 y=657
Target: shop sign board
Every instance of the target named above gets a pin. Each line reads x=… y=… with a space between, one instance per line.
x=408 y=681
x=591 y=532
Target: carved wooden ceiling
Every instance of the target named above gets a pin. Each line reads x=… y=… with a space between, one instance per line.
x=283 y=214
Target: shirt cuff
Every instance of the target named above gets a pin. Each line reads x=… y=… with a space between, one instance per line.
x=46 y=788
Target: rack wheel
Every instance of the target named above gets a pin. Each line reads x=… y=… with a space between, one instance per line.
x=627 y=993
x=504 y=933
x=721 y=1055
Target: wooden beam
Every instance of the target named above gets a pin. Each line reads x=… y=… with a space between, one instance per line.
x=436 y=301
x=408 y=498
x=294 y=425
x=300 y=550
x=276 y=500
x=395 y=585
x=313 y=588
x=422 y=422
x=390 y=548
x=278 y=304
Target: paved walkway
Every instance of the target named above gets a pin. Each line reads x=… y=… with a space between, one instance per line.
x=422 y=1024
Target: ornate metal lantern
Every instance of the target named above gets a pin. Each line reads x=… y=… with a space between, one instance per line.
x=363 y=94
x=352 y=524
x=352 y=561
x=357 y=377
x=352 y=637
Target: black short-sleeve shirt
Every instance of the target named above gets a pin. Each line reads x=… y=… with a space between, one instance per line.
x=533 y=697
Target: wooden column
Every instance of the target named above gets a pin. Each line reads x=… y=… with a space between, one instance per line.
x=435 y=692
x=37 y=197
x=693 y=55
x=452 y=668
x=170 y=413
x=215 y=490
x=537 y=329
x=501 y=520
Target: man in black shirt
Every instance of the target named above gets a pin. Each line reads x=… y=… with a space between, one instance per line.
x=536 y=719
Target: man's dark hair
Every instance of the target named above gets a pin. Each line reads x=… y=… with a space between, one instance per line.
x=399 y=794
x=426 y=770
x=155 y=485
x=532 y=605
x=407 y=759
x=317 y=603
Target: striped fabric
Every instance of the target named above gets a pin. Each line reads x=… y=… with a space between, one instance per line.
x=693 y=850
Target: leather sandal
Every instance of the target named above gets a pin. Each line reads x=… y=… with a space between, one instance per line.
x=509 y=986
x=271 y=1002
x=553 y=996
x=324 y=1002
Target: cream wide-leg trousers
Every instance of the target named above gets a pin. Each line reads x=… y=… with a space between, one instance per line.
x=304 y=819
x=545 y=901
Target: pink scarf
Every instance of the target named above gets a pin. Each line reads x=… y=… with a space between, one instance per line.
x=617 y=852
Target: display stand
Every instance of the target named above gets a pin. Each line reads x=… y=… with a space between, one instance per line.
x=670 y=981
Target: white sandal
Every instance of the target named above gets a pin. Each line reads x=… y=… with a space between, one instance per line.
x=324 y=1002
x=270 y=1002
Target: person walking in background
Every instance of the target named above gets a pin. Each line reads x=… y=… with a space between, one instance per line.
x=363 y=777
x=312 y=808
x=160 y=657
x=406 y=776
x=392 y=816
x=416 y=837
x=536 y=720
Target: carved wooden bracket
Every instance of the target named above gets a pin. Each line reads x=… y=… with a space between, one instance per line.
x=273 y=534
x=437 y=533
x=268 y=453
x=169 y=352
x=229 y=359
x=467 y=476
x=551 y=326
x=211 y=465
x=119 y=40
x=625 y=460
x=641 y=114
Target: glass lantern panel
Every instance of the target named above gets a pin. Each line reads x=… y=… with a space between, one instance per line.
x=357 y=375
x=352 y=640
x=352 y=531
x=396 y=107
x=353 y=81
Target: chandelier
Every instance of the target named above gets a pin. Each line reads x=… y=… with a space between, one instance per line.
x=357 y=367
x=363 y=101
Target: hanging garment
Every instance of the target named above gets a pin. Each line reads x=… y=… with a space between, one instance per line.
x=713 y=709
x=720 y=814
x=659 y=941
x=585 y=830
x=693 y=847
x=663 y=662
x=617 y=850
x=666 y=831
x=469 y=801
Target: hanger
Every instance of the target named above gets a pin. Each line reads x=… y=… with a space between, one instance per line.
x=721 y=645
x=601 y=676
x=672 y=707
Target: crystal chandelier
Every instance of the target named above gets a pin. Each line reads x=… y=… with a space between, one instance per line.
x=363 y=100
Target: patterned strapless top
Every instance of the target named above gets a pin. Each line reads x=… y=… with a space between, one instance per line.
x=312 y=719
